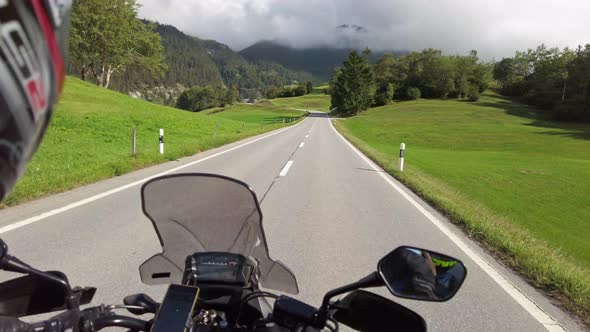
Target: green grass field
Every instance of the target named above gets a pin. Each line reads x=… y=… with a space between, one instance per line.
x=257 y=113
x=89 y=138
x=308 y=102
x=517 y=182
x=320 y=88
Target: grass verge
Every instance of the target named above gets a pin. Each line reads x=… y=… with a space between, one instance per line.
x=89 y=138
x=516 y=183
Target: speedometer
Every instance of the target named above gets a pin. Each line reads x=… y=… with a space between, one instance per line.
x=217 y=267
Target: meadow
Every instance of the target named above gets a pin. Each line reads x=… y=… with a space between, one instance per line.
x=89 y=138
x=514 y=180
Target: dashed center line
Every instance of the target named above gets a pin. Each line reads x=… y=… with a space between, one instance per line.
x=306 y=136
x=302 y=144
x=286 y=168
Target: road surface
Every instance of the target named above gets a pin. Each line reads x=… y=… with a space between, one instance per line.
x=329 y=214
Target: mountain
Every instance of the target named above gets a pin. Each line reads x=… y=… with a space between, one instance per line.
x=197 y=62
x=319 y=61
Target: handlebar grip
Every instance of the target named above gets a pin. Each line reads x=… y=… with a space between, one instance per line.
x=13 y=324
x=120 y=321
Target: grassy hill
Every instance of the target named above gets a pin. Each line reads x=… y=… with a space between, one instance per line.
x=89 y=138
x=258 y=114
x=318 y=102
x=515 y=181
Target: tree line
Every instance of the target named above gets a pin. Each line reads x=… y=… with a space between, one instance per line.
x=553 y=79
x=360 y=84
x=289 y=91
x=199 y=98
x=111 y=46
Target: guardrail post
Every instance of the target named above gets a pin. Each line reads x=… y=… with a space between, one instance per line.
x=402 y=152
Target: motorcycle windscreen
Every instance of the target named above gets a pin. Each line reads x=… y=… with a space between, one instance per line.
x=204 y=212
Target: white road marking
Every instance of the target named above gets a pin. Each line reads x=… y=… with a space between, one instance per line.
x=286 y=168
x=85 y=201
x=531 y=307
x=302 y=144
x=306 y=136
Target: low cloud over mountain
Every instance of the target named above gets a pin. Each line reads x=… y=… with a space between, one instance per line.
x=494 y=27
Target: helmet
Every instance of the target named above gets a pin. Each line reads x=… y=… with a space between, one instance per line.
x=33 y=40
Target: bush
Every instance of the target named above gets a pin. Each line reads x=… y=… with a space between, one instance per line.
x=413 y=93
x=285 y=92
x=384 y=94
x=197 y=98
x=473 y=94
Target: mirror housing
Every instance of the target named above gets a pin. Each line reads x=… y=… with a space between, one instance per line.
x=421 y=274
x=365 y=311
x=3 y=251
x=33 y=295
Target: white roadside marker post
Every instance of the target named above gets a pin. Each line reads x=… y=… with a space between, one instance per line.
x=161 y=141
x=216 y=129
x=402 y=152
x=134 y=142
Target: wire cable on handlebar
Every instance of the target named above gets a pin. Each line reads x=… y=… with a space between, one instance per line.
x=334 y=328
x=251 y=297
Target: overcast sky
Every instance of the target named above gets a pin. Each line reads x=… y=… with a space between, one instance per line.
x=495 y=28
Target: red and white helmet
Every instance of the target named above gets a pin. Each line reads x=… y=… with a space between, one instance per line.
x=33 y=46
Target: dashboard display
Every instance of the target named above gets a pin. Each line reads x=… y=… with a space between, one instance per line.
x=218 y=267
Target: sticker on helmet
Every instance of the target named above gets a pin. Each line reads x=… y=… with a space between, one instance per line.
x=18 y=52
x=58 y=9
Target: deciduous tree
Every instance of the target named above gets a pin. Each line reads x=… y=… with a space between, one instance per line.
x=107 y=37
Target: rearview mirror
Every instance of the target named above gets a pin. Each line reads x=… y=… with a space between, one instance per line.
x=3 y=250
x=421 y=274
x=33 y=295
x=365 y=311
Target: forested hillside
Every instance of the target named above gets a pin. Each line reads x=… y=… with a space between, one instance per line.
x=195 y=62
x=319 y=61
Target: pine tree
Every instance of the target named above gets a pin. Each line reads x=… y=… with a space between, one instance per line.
x=353 y=86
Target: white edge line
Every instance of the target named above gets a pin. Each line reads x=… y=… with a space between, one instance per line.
x=532 y=308
x=302 y=144
x=285 y=169
x=48 y=214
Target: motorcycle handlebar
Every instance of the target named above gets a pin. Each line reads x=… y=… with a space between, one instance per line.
x=120 y=321
x=76 y=323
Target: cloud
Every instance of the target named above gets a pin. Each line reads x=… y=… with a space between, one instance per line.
x=496 y=28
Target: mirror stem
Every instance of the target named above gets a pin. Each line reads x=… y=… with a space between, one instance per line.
x=372 y=280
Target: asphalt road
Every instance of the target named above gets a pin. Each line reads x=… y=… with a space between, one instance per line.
x=330 y=217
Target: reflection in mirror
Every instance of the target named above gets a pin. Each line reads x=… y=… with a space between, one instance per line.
x=422 y=274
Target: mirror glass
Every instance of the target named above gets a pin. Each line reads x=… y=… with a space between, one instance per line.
x=31 y=295
x=421 y=274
